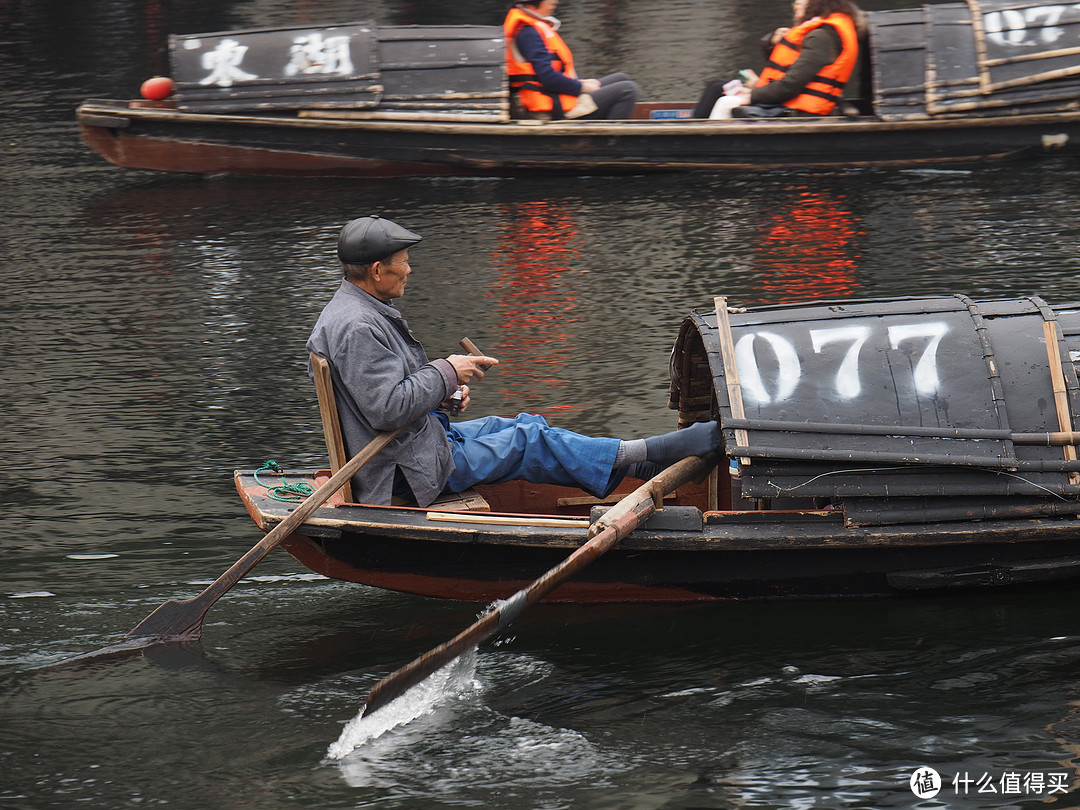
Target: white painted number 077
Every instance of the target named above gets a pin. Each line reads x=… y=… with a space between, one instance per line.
x=1013 y=26
x=926 y=373
x=848 y=383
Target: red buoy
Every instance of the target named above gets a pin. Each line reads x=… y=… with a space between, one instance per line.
x=156 y=88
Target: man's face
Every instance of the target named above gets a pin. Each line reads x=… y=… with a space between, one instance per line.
x=393 y=273
x=799 y=10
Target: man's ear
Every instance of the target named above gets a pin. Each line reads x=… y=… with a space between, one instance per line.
x=376 y=270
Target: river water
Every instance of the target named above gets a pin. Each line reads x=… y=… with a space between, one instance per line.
x=153 y=340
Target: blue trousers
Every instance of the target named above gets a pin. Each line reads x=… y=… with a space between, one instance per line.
x=493 y=449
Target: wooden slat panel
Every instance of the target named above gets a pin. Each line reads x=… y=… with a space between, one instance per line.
x=273 y=69
x=444 y=70
x=864 y=399
x=981 y=58
x=335 y=445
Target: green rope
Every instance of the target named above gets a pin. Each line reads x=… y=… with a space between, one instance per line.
x=290 y=493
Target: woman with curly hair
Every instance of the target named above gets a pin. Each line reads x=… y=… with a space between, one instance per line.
x=807 y=68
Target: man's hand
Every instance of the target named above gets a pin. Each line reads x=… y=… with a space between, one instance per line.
x=459 y=406
x=470 y=366
x=590 y=85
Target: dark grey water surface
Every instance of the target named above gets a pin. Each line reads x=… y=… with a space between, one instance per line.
x=153 y=331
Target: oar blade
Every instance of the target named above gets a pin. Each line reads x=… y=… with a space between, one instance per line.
x=403 y=679
x=170 y=620
x=125 y=648
x=181 y=621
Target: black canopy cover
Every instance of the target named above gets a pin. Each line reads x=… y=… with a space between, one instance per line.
x=981 y=57
x=885 y=398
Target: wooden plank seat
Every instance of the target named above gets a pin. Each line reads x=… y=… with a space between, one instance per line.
x=470 y=500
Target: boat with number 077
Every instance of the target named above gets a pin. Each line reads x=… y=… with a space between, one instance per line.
x=872 y=447
x=941 y=84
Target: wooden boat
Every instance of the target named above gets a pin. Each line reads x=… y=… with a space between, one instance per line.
x=950 y=83
x=872 y=447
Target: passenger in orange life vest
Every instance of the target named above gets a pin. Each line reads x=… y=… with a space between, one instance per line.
x=541 y=70
x=807 y=67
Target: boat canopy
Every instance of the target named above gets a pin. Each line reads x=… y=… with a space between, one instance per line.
x=885 y=398
x=982 y=57
x=395 y=71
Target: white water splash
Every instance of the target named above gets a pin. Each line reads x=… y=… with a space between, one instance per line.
x=456 y=678
x=272 y=578
x=304 y=577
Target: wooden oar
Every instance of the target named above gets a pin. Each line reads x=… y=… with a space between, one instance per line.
x=613 y=526
x=179 y=621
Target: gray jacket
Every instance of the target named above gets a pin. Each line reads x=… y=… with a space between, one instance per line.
x=383 y=380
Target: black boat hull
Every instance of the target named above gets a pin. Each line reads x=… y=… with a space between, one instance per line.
x=163 y=139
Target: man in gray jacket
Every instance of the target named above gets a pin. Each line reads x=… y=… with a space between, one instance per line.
x=383 y=380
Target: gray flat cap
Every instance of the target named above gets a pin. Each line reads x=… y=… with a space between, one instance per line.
x=372 y=239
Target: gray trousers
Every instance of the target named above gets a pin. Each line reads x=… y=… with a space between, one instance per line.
x=615 y=98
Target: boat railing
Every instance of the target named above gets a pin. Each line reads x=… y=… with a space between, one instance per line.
x=978 y=58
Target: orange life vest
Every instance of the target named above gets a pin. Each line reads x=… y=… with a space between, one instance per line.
x=824 y=90
x=521 y=73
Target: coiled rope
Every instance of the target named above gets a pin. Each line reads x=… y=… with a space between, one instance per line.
x=290 y=493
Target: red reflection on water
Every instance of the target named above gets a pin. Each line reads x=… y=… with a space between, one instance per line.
x=534 y=306
x=807 y=249
x=154 y=24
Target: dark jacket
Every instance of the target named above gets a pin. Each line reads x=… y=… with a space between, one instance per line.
x=383 y=380
x=821 y=47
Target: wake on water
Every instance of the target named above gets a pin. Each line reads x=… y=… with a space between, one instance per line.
x=456 y=678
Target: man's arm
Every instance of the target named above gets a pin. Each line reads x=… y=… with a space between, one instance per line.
x=377 y=380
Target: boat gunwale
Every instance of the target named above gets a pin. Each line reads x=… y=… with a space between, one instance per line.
x=808 y=530
x=529 y=128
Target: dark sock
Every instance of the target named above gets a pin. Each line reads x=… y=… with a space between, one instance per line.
x=644 y=470
x=695 y=440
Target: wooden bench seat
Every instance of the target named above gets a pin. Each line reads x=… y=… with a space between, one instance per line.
x=470 y=500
